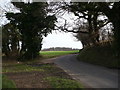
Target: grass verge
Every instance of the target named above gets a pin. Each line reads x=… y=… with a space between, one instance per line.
x=46 y=75
x=52 y=75
x=7 y=83
x=99 y=55
x=20 y=68
x=63 y=83
x=52 y=54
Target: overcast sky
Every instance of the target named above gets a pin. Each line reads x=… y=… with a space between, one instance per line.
x=57 y=39
x=61 y=39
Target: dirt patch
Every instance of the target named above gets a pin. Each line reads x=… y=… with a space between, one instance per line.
x=35 y=79
x=29 y=79
x=51 y=60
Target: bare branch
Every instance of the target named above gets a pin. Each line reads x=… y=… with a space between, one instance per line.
x=63 y=28
x=104 y=24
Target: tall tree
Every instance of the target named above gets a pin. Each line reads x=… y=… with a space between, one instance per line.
x=113 y=13
x=88 y=23
x=10 y=41
x=33 y=22
x=110 y=9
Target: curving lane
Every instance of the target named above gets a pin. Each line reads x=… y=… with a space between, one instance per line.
x=92 y=76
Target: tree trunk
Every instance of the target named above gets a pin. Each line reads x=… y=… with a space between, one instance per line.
x=114 y=16
x=117 y=35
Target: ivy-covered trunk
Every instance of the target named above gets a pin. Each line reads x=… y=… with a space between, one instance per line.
x=116 y=24
x=32 y=47
x=114 y=16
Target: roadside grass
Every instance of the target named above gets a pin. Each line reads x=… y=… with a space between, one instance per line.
x=7 y=83
x=99 y=55
x=63 y=83
x=52 y=54
x=20 y=68
x=53 y=75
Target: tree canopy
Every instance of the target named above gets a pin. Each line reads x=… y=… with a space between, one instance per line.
x=23 y=35
x=32 y=23
x=90 y=13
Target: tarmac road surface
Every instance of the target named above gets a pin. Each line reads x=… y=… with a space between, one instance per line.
x=92 y=76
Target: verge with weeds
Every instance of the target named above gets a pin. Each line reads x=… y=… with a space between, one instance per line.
x=38 y=74
x=63 y=83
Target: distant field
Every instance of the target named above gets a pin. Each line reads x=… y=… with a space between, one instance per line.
x=51 y=54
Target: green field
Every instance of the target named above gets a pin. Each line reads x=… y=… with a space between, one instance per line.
x=51 y=54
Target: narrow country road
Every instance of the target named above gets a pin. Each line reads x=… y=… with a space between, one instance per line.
x=92 y=76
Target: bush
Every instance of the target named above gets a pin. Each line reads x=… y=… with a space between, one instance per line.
x=100 y=55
